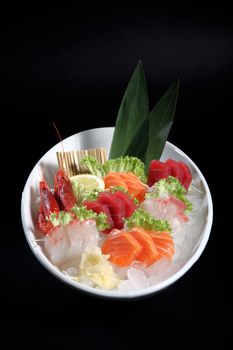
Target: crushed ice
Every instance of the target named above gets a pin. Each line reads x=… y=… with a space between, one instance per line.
x=186 y=239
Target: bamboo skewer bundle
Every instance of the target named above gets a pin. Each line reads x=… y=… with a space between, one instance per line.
x=70 y=161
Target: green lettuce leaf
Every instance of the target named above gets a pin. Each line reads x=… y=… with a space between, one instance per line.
x=170 y=186
x=120 y=164
x=119 y=188
x=160 y=121
x=83 y=213
x=82 y=194
x=141 y=218
x=101 y=221
x=62 y=218
x=126 y=164
x=93 y=165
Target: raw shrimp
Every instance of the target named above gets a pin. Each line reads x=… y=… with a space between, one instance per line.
x=63 y=190
x=48 y=205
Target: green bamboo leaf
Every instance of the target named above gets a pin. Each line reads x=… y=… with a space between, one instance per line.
x=134 y=110
x=138 y=145
x=160 y=122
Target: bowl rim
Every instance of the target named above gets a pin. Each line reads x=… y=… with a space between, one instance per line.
x=120 y=294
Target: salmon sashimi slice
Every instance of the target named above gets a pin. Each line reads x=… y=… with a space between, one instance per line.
x=149 y=253
x=163 y=242
x=113 y=179
x=129 y=181
x=122 y=248
x=129 y=175
x=135 y=187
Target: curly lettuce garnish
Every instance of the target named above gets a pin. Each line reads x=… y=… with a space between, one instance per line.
x=81 y=213
x=126 y=164
x=82 y=194
x=62 y=218
x=141 y=218
x=93 y=165
x=170 y=186
x=120 y=164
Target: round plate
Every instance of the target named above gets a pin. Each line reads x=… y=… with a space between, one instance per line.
x=102 y=137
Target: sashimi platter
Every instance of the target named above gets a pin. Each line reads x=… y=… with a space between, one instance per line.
x=119 y=211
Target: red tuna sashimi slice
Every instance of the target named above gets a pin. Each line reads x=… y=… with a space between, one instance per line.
x=187 y=175
x=130 y=205
x=98 y=207
x=157 y=171
x=116 y=207
x=175 y=169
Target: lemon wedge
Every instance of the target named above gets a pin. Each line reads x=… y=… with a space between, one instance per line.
x=88 y=182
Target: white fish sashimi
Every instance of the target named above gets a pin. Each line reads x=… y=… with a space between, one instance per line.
x=166 y=209
x=67 y=243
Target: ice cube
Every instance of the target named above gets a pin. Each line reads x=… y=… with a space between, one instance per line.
x=67 y=243
x=125 y=286
x=138 y=278
x=179 y=236
x=157 y=268
x=72 y=271
x=178 y=252
x=120 y=271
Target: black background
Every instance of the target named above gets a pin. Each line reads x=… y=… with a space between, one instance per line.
x=71 y=66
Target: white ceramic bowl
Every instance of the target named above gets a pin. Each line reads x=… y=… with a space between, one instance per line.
x=102 y=137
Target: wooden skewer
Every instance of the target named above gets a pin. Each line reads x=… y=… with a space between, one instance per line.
x=70 y=161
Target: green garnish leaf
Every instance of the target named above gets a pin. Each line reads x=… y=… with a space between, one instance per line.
x=138 y=144
x=91 y=196
x=93 y=165
x=141 y=218
x=120 y=164
x=101 y=221
x=134 y=110
x=170 y=186
x=118 y=188
x=83 y=213
x=82 y=194
x=160 y=122
x=62 y=218
x=137 y=132
x=126 y=164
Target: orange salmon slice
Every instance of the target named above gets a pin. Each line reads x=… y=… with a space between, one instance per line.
x=129 y=181
x=122 y=247
x=149 y=253
x=163 y=242
x=113 y=179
